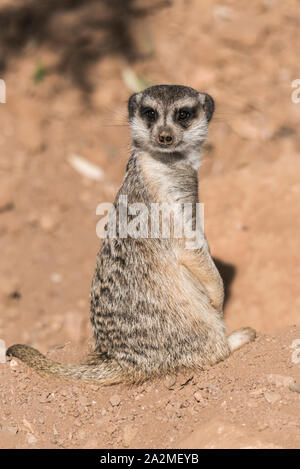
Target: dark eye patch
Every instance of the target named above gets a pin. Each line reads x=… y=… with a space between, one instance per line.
x=185 y=114
x=149 y=113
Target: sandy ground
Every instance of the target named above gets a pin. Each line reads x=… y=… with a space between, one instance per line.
x=245 y=54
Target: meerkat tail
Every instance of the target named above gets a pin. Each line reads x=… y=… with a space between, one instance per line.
x=104 y=373
x=241 y=337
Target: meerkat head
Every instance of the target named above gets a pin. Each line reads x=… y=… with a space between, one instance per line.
x=170 y=119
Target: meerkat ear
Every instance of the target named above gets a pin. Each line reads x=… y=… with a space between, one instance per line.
x=133 y=104
x=208 y=105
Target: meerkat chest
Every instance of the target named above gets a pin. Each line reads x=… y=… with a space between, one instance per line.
x=173 y=187
x=169 y=182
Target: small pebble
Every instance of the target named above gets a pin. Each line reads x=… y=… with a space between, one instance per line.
x=184 y=404
x=115 y=400
x=295 y=387
x=198 y=396
x=13 y=430
x=272 y=397
x=31 y=439
x=280 y=380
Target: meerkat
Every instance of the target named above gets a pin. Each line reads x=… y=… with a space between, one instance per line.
x=156 y=306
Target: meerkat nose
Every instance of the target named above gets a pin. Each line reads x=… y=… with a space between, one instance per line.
x=165 y=138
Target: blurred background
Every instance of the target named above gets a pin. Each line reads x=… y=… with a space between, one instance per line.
x=69 y=67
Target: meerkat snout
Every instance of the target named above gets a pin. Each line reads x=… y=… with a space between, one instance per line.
x=170 y=119
x=165 y=137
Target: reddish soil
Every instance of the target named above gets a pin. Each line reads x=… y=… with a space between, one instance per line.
x=245 y=54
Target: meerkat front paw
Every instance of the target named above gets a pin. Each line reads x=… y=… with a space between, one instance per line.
x=215 y=293
x=217 y=302
x=241 y=337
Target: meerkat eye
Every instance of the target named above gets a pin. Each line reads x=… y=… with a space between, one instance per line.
x=150 y=113
x=183 y=115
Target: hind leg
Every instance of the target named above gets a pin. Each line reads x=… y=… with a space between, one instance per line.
x=219 y=346
x=240 y=337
